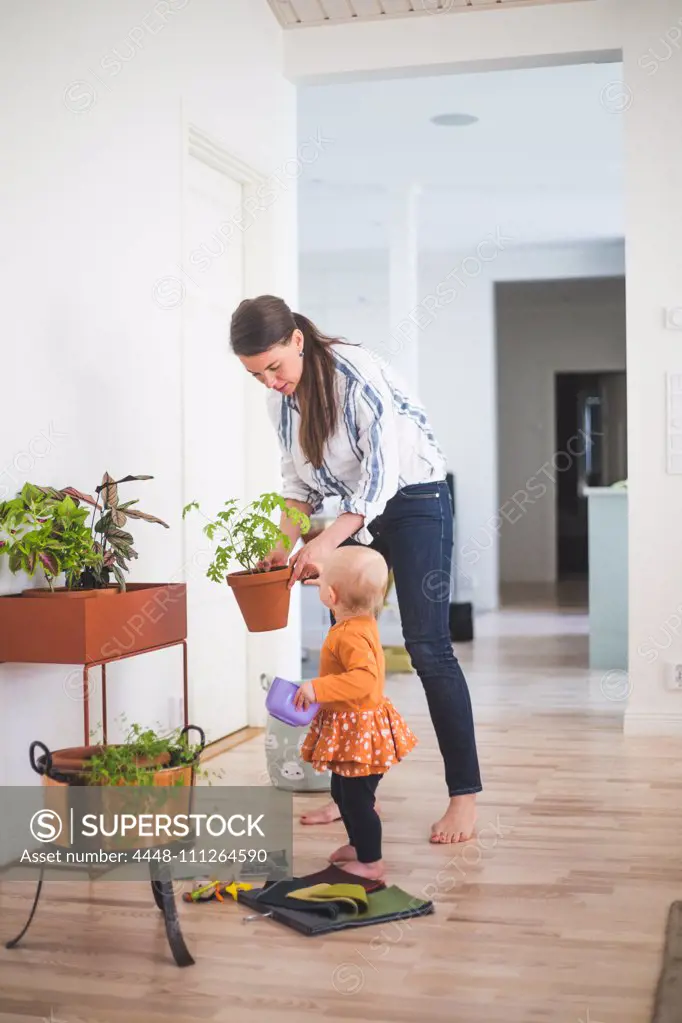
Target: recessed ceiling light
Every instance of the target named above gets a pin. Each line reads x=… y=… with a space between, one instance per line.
x=454 y=120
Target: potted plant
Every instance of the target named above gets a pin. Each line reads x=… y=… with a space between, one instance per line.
x=44 y=529
x=246 y=536
x=145 y=757
x=150 y=762
x=114 y=544
x=47 y=530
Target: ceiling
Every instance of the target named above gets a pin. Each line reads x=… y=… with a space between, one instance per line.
x=307 y=13
x=544 y=161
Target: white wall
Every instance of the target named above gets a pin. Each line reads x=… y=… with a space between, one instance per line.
x=90 y=188
x=649 y=99
x=543 y=329
x=458 y=378
x=654 y=281
x=348 y=292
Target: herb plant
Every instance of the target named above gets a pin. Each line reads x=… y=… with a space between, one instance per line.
x=247 y=535
x=131 y=762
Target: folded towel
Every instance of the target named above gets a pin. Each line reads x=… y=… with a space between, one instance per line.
x=278 y=895
x=349 y=897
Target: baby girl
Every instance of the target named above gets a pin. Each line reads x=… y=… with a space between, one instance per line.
x=357 y=734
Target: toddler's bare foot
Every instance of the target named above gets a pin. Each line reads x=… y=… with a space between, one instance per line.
x=344 y=854
x=458 y=822
x=326 y=815
x=373 y=871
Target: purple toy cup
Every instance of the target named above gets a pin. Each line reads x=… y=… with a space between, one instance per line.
x=280 y=704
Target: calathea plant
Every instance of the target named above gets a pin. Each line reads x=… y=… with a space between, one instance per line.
x=46 y=527
x=114 y=544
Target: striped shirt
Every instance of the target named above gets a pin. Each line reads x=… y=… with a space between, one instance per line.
x=382 y=442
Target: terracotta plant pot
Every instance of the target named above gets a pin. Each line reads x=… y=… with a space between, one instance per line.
x=263 y=598
x=88 y=626
x=74 y=760
x=62 y=770
x=62 y=592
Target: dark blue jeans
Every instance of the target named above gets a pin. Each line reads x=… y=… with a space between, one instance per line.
x=415 y=535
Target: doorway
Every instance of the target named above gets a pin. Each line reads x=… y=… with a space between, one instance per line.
x=213 y=417
x=591 y=434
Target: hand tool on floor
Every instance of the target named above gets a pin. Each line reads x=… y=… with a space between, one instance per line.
x=232 y=889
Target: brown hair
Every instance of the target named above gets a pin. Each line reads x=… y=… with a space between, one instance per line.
x=260 y=323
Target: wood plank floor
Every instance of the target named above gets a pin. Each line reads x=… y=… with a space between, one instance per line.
x=555 y=912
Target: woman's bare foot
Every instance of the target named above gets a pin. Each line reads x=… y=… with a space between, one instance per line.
x=345 y=854
x=457 y=823
x=326 y=815
x=373 y=871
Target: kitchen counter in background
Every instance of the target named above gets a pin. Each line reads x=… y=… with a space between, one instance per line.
x=608 y=593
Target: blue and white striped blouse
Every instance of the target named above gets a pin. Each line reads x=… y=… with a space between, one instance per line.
x=383 y=441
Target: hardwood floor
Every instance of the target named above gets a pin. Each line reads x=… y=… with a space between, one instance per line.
x=555 y=912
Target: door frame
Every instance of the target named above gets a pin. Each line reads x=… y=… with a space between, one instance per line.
x=263 y=653
x=199 y=145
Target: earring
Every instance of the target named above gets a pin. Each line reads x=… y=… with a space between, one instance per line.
x=300 y=354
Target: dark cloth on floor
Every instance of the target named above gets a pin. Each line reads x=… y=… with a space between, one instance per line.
x=384 y=905
x=279 y=895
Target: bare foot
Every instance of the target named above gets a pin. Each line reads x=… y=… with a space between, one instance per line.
x=372 y=871
x=326 y=815
x=458 y=822
x=344 y=854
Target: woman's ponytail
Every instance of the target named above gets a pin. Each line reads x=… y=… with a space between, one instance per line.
x=316 y=392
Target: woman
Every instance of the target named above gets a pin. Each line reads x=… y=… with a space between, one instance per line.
x=346 y=430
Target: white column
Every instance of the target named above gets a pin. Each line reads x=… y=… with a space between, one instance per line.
x=268 y=653
x=402 y=344
x=649 y=100
x=271 y=269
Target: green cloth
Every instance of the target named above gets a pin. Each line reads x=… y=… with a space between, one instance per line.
x=392 y=902
x=351 y=898
x=313 y=918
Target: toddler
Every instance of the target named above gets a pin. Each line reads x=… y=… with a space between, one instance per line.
x=357 y=734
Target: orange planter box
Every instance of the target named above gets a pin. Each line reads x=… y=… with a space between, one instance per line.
x=91 y=626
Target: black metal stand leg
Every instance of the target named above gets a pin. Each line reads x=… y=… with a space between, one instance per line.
x=164 y=898
x=15 y=941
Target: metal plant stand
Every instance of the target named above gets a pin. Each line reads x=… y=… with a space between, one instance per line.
x=164 y=897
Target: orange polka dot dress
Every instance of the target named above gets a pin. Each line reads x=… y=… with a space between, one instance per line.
x=357 y=731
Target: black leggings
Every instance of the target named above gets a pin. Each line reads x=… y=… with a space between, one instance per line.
x=355 y=800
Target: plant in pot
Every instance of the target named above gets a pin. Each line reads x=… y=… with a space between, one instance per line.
x=43 y=527
x=46 y=529
x=114 y=544
x=246 y=536
x=149 y=761
x=144 y=757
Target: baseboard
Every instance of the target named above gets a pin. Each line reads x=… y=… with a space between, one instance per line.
x=661 y=723
x=228 y=742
